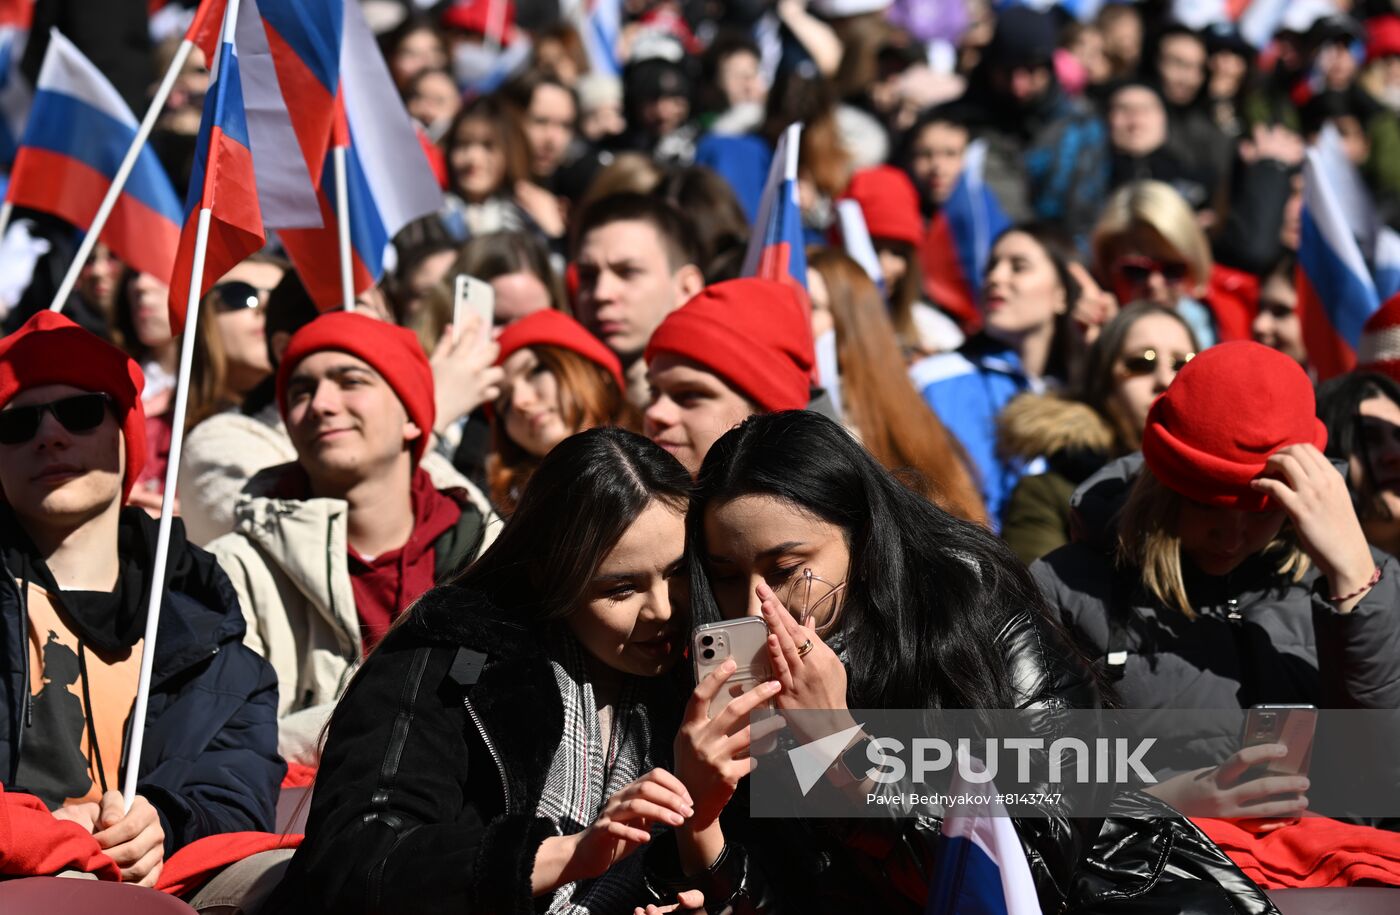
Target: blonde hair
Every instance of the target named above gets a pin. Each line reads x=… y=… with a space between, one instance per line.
x=1148 y=540
x=1155 y=207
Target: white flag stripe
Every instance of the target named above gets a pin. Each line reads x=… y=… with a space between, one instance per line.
x=65 y=70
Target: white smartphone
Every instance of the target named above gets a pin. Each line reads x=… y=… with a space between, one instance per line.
x=1290 y=725
x=746 y=641
x=473 y=296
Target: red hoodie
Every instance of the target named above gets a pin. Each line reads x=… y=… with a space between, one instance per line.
x=385 y=585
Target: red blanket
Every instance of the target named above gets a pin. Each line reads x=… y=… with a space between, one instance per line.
x=1314 y=852
x=34 y=844
x=195 y=864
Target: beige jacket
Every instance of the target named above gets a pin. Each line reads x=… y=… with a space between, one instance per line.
x=288 y=561
x=220 y=456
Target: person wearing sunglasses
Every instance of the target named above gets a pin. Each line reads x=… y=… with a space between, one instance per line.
x=75 y=577
x=1148 y=246
x=1128 y=366
x=1225 y=566
x=231 y=357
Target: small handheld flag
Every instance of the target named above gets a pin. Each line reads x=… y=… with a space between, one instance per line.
x=959 y=241
x=776 y=249
x=981 y=868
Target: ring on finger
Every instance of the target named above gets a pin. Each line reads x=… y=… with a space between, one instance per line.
x=804 y=648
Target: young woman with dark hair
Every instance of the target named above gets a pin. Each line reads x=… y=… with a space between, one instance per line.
x=1029 y=292
x=1362 y=414
x=488 y=171
x=894 y=604
x=494 y=752
x=879 y=403
x=560 y=380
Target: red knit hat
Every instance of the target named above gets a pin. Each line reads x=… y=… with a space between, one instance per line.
x=392 y=351
x=51 y=349
x=1226 y=412
x=752 y=332
x=1382 y=37
x=1379 y=349
x=554 y=328
x=474 y=16
x=889 y=203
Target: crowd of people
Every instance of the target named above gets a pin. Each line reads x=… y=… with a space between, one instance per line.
x=447 y=574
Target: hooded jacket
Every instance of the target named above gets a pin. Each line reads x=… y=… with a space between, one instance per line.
x=1074 y=441
x=209 y=761
x=288 y=559
x=1258 y=637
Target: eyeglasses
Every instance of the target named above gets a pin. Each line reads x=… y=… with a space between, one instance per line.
x=236 y=296
x=1145 y=363
x=1139 y=270
x=810 y=593
x=78 y=414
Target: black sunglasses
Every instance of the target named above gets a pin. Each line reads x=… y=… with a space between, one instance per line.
x=1145 y=363
x=79 y=413
x=236 y=296
x=1138 y=270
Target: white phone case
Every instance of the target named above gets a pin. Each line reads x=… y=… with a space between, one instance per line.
x=473 y=296
x=746 y=641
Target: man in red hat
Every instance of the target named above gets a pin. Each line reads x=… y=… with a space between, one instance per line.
x=326 y=552
x=636 y=264
x=738 y=348
x=75 y=581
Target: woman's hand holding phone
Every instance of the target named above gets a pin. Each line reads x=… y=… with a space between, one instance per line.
x=1272 y=801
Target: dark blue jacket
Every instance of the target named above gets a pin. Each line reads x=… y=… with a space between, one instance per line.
x=209 y=761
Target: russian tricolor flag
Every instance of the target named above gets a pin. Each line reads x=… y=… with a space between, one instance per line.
x=981 y=868
x=388 y=178
x=78 y=132
x=600 y=27
x=224 y=183
x=1336 y=293
x=776 y=249
x=959 y=242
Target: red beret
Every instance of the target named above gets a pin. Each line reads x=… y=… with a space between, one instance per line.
x=392 y=351
x=889 y=203
x=754 y=333
x=51 y=349
x=554 y=328
x=1226 y=412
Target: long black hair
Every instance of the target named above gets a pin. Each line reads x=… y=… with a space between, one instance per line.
x=1339 y=407
x=579 y=502
x=926 y=595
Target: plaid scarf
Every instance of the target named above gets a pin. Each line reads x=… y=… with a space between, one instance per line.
x=588 y=768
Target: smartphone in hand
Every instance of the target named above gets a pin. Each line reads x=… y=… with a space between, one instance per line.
x=471 y=296
x=746 y=641
x=1292 y=726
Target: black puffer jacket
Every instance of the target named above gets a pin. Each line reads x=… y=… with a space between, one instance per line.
x=1257 y=637
x=844 y=866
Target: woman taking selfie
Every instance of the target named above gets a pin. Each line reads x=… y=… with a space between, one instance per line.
x=493 y=754
x=899 y=605
x=559 y=380
x=1229 y=570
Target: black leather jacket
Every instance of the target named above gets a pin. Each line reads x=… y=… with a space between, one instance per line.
x=1148 y=860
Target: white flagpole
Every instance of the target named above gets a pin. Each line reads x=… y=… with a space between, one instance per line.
x=7 y=209
x=143 y=133
x=342 y=219
x=172 y=467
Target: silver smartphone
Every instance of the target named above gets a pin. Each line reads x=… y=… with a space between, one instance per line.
x=746 y=641
x=1292 y=726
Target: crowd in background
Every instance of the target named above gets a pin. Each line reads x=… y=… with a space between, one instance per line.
x=1095 y=468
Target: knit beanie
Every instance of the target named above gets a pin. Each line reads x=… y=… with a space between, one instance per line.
x=392 y=351
x=1024 y=37
x=1379 y=349
x=554 y=328
x=1226 y=412
x=754 y=333
x=889 y=203
x=51 y=349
